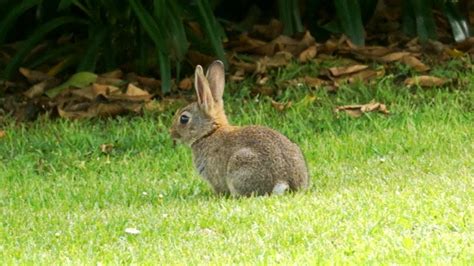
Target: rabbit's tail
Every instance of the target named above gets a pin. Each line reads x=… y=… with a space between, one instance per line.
x=280 y=188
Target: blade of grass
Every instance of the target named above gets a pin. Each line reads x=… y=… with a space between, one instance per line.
x=418 y=17
x=110 y=51
x=157 y=37
x=96 y=39
x=290 y=16
x=285 y=17
x=33 y=40
x=50 y=54
x=178 y=33
x=458 y=23
x=63 y=4
x=348 y=13
x=150 y=26
x=408 y=19
x=296 y=16
x=165 y=72
x=9 y=21
x=367 y=9
x=212 y=28
x=142 y=52
x=425 y=24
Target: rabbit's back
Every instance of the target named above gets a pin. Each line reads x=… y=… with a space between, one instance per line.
x=252 y=159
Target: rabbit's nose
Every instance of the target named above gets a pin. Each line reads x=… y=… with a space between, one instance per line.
x=174 y=134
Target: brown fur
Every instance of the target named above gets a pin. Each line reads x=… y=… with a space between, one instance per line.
x=240 y=161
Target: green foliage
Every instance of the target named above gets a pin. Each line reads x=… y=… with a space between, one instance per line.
x=211 y=27
x=34 y=39
x=10 y=19
x=348 y=12
x=290 y=16
x=417 y=18
x=113 y=32
x=459 y=24
x=157 y=34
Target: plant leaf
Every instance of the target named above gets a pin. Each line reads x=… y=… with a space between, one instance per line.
x=158 y=38
x=63 y=4
x=33 y=40
x=212 y=28
x=79 y=79
x=9 y=21
x=348 y=13
x=290 y=16
x=418 y=17
x=458 y=23
x=96 y=39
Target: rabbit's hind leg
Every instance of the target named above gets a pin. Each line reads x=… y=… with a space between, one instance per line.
x=245 y=176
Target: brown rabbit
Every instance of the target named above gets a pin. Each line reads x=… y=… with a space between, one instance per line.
x=241 y=161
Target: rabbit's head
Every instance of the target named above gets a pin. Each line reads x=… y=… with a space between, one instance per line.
x=203 y=117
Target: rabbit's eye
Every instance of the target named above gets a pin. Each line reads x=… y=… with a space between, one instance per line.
x=184 y=119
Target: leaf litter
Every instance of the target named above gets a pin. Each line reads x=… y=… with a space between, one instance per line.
x=357 y=110
x=255 y=53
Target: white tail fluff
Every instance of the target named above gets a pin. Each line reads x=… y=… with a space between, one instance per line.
x=280 y=188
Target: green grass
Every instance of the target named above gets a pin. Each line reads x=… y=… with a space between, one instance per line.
x=385 y=189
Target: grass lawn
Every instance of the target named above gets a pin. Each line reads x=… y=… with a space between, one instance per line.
x=385 y=189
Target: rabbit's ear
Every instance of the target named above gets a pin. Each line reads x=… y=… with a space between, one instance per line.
x=205 y=100
x=216 y=76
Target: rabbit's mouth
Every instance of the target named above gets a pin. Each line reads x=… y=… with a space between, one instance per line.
x=174 y=135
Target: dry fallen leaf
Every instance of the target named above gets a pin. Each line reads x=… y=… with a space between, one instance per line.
x=151 y=84
x=238 y=75
x=282 y=43
x=78 y=110
x=116 y=74
x=465 y=45
x=2 y=134
x=245 y=43
x=106 y=148
x=245 y=66
x=195 y=28
x=278 y=60
x=357 y=110
x=263 y=90
x=396 y=56
x=262 y=79
x=197 y=58
x=329 y=47
x=311 y=82
x=307 y=54
x=338 y=71
x=372 y=52
x=366 y=75
x=415 y=63
x=425 y=81
x=91 y=92
x=185 y=84
x=281 y=106
x=34 y=76
x=270 y=31
x=39 y=88
x=134 y=91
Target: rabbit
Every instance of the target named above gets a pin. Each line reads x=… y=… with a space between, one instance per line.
x=236 y=161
